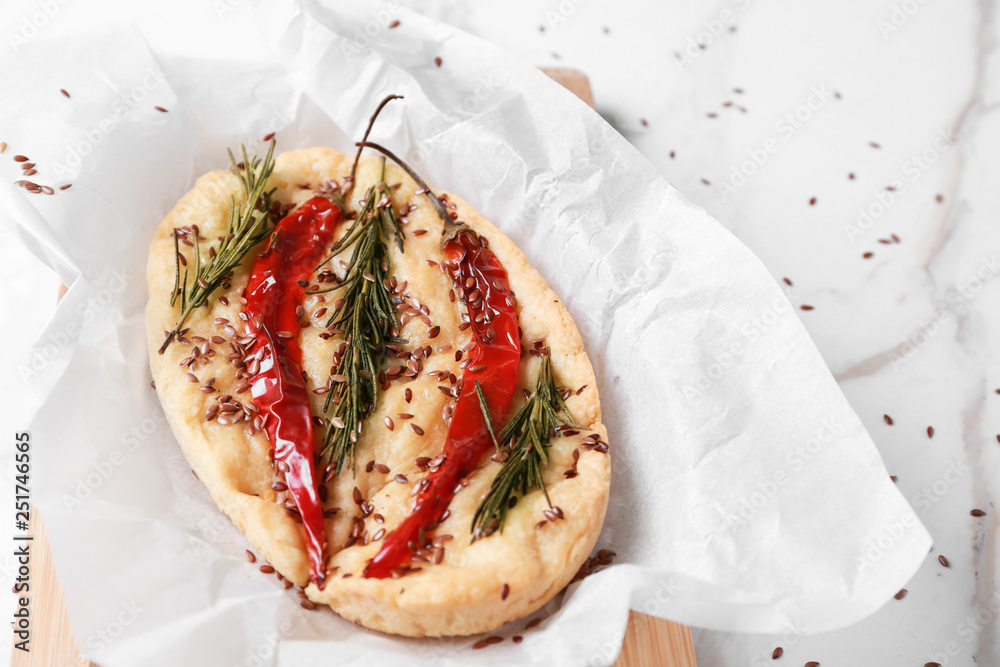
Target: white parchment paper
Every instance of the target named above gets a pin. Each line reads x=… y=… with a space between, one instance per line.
x=746 y=494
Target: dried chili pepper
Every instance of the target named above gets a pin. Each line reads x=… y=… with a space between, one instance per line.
x=274 y=295
x=493 y=363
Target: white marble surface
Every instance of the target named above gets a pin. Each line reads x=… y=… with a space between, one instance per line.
x=913 y=331
x=909 y=332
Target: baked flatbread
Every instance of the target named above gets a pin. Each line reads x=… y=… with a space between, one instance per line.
x=462 y=594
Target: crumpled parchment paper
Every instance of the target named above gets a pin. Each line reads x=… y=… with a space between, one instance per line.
x=746 y=494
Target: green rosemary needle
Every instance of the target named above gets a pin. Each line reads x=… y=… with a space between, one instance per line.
x=366 y=316
x=525 y=439
x=247 y=226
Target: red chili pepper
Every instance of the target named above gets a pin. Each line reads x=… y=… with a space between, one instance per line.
x=273 y=296
x=494 y=363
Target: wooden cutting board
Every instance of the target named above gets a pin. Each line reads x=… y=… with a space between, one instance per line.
x=649 y=641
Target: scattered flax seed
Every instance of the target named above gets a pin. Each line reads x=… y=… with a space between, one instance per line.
x=160 y=109
x=806 y=307
x=416 y=429
x=517 y=639
x=812 y=663
x=401 y=478
x=267 y=569
x=812 y=202
x=388 y=423
x=268 y=136
x=939 y=198
x=504 y=592
x=874 y=144
x=489 y=641
x=787 y=281
x=977 y=513
x=901 y=594
x=930 y=431
x=932 y=664
x=20 y=158
x=888 y=419
x=868 y=255
x=437 y=61
x=63 y=91
x=777 y=653
x=251 y=557
x=893 y=478
x=382 y=468
x=944 y=561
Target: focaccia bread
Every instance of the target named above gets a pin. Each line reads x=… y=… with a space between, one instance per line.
x=478 y=585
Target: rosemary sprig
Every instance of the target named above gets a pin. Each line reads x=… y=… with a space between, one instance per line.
x=526 y=439
x=366 y=316
x=248 y=226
